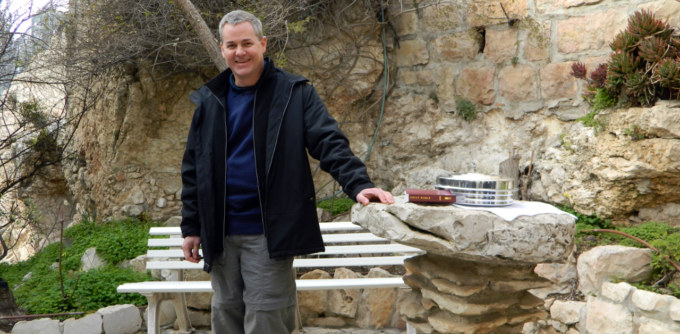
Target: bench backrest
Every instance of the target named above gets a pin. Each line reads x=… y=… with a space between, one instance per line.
x=347 y=245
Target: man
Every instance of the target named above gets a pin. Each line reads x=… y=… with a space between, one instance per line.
x=247 y=191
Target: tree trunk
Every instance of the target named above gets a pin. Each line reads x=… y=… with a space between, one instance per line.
x=204 y=35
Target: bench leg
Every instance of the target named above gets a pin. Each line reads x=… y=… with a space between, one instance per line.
x=153 y=325
x=410 y=329
x=180 y=303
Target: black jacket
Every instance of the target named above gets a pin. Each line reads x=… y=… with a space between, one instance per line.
x=289 y=120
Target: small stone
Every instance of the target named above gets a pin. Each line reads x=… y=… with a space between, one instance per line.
x=616 y=292
x=121 y=319
x=90 y=324
x=42 y=326
x=568 y=312
x=161 y=202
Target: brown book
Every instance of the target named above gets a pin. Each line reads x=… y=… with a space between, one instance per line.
x=429 y=196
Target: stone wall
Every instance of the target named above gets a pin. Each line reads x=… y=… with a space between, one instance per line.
x=514 y=68
x=610 y=307
x=517 y=72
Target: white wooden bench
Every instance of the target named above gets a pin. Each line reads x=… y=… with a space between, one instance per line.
x=347 y=245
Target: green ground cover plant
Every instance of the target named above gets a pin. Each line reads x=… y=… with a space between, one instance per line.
x=39 y=288
x=336 y=206
x=663 y=239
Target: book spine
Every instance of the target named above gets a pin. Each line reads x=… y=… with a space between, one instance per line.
x=431 y=198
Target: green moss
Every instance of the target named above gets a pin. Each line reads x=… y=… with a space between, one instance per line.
x=466 y=109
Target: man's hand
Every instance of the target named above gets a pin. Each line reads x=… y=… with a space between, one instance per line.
x=372 y=194
x=190 y=248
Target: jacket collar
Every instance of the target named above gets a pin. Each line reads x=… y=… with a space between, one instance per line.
x=219 y=83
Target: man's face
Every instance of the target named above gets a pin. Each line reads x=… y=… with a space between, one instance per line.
x=243 y=52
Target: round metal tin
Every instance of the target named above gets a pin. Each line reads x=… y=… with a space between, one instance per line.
x=476 y=181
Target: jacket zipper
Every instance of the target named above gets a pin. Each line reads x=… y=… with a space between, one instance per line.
x=257 y=177
x=279 y=129
x=224 y=177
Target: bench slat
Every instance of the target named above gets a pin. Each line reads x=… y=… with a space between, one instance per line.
x=330 y=250
x=327 y=238
x=325 y=227
x=297 y=263
x=302 y=284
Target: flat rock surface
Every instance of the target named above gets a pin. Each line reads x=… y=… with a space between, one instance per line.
x=472 y=235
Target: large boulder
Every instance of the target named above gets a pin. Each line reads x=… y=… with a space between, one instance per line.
x=606 y=263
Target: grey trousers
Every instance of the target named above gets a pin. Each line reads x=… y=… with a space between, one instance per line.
x=253 y=293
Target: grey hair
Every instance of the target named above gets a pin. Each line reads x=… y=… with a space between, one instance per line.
x=238 y=16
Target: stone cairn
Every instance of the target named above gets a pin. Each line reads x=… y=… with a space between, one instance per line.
x=478 y=267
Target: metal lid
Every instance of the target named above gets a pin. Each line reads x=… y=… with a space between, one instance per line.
x=476 y=181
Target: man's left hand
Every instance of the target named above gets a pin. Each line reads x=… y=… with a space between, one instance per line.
x=373 y=195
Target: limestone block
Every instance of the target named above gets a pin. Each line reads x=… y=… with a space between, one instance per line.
x=674 y=310
x=650 y=301
x=423 y=328
x=121 y=319
x=199 y=301
x=501 y=45
x=445 y=322
x=476 y=84
x=173 y=221
x=446 y=93
x=132 y=210
x=664 y=10
x=604 y=263
x=344 y=302
x=557 y=81
x=405 y=23
x=653 y=326
x=138 y=264
x=616 y=292
x=376 y=306
x=537 y=41
x=489 y=12
x=442 y=17
x=42 y=326
x=199 y=318
x=328 y=321
x=313 y=303
x=90 y=260
x=604 y=317
x=412 y=52
x=600 y=29
x=518 y=83
x=471 y=235
x=455 y=289
x=410 y=306
x=568 y=312
x=575 y=3
x=460 y=306
x=421 y=77
x=89 y=324
x=457 y=47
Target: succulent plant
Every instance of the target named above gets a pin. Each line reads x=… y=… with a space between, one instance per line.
x=578 y=70
x=653 y=49
x=643 y=23
x=638 y=87
x=644 y=66
x=624 y=42
x=598 y=77
x=620 y=65
x=667 y=76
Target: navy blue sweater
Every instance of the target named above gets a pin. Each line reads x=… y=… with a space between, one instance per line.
x=243 y=207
